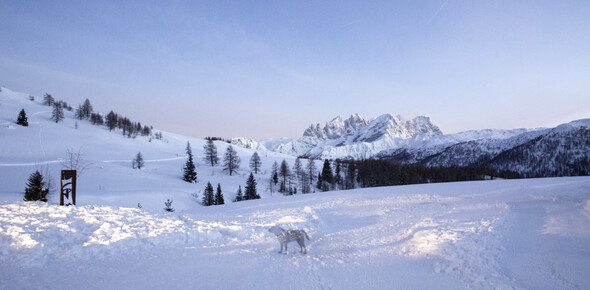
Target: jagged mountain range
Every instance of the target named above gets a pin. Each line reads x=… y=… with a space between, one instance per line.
x=563 y=150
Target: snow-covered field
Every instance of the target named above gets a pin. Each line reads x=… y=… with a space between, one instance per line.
x=531 y=234
x=505 y=234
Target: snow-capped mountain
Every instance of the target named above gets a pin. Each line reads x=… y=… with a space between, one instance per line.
x=563 y=150
x=354 y=137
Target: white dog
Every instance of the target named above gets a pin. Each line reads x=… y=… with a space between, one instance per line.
x=285 y=237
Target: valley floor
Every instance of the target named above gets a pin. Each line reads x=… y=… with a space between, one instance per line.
x=505 y=234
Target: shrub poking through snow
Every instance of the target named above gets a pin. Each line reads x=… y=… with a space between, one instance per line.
x=138 y=161
x=168 y=207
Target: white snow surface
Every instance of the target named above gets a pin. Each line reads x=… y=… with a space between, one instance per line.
x=500 y=234
x=519 y=234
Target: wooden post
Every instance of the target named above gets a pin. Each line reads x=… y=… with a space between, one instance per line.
x=68 y=188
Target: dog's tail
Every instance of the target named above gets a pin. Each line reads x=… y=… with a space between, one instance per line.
x=306 y=236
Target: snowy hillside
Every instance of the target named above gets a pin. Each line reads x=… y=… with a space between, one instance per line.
x=502 y=234
x=43 y=146
x=523 y=234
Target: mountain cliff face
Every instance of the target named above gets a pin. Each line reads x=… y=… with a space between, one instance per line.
x=353 y=137
x=560 y=151
x=564 y=150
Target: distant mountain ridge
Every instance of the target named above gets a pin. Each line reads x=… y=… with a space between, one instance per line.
x=563 y=150
x=354 y=137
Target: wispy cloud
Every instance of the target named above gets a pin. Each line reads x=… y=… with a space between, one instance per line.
x=351 y=23
x=440 y=8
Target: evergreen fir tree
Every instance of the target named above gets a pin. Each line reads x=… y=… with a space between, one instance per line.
x=311 y=169
x=96 y=119
x=327 y=176
x=231 y=160
x=138 y=161
x=79 y=112
x=274 y=176
x=350 y=175
x=36 y=188
x=48 y=100
x=22 y=118
x=255 y=162
x=251 y=192
x=112 y=120
x=86 y=109
x=208 y=198
x=284 y=173
x=297 y=172
x=190 y=175
x=337 y=176
x=58 y=113
x=239 y=196
x=219 y=196
x=210 y=152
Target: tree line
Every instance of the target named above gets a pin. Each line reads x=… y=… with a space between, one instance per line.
x=85 y=111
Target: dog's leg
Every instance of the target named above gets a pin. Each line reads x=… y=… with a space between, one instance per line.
x=301 y=243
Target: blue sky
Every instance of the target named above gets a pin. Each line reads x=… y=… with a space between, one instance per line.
x=264 y=69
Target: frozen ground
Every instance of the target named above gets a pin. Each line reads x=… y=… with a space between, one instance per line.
x=504 y=234
x=523 y=234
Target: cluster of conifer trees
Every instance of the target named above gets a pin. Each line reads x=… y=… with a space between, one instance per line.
x=348 y=174
x=112 y=120
x=231 y=163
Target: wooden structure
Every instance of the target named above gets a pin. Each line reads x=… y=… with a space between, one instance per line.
x=67 y=187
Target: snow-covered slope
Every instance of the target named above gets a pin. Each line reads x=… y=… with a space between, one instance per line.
x=43 y=145
x=512 y=234
x=502 y=234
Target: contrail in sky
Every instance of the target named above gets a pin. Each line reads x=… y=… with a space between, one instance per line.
x=437 y=11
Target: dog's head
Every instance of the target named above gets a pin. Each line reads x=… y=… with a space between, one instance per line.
x=276 y=230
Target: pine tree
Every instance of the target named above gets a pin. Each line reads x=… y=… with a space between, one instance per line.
x=350 y=175
x=239 y=196
x=190 y=175
x=96 y=119
x=327 y=176
x=112 y=120
x=208 y=198
x=311 y=169
x=231 y=160
x=138 y=161
x=284 y=173
x=274 y=176
x=218 y=196
x=305 y=186
x=36 y=188
x=337 y=176
x=210 y=152
x=298 y=172
x=22 y=118
x=79 y=112
x=86 y=109
x=48 y=100
x=58 y=113
x=255 y=162
x=251 y=192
